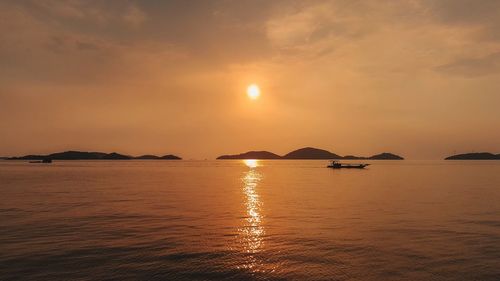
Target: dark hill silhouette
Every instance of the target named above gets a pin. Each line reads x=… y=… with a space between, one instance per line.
x=75 y=155
x=116 y=156
x=252 y=155
x=308 y=153
x=381 y=156
x=154 y=157
x=311 y=153
x=352 y=157
x=147 y=157
x=82 y=155
x=474 y=156
x=385 y=156
x=170 y=157
x=28 y=157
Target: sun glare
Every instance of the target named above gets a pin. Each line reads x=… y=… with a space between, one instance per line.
x=251 y=163
x=253 y=91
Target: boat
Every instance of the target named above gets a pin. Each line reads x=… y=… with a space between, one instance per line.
x=45 y=161
x=337 y=165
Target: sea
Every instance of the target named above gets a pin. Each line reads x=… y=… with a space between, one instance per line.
x=249 y=220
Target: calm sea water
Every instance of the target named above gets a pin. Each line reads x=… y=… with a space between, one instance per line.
x=231 y=220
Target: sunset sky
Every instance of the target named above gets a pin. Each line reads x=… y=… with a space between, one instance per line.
x=416 y=78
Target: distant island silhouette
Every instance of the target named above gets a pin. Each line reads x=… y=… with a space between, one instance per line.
x=252 y=155
x=307 y=153
x=381 y=156
x=385 y=156
x=311 y=153
x=154 y=157
x=82 y=155
x=474 y=156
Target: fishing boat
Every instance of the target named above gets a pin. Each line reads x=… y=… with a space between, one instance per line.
x=338 y=165
x=45 y=161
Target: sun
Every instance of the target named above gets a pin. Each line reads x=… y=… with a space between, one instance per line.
x=253 y=91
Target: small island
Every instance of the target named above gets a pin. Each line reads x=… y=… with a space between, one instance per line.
x=306 y=153
x=381 y=156
x=311 y=153
x=474 y=156
x=252 y=155
x=83 y=155
x=154 y=157
x=385 y=156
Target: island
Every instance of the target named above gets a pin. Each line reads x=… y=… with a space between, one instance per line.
x=474 y=156
x=170 y=157
x=308 y=153
x=83 y=155
x=385 y=156
x=252 y=155
x=147 y=157
x=311 y=153
x=154 y=157
x=381 y=156
x=75 y=155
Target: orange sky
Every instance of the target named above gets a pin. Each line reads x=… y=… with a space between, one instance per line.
x=417 y=78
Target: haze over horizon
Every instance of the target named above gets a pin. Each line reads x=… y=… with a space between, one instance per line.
x=415 y=78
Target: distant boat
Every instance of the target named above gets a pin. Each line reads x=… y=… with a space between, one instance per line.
x=338 y=165
x=45 y=160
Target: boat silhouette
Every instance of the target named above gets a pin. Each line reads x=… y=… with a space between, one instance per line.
x=337 y=165
x=45 y=161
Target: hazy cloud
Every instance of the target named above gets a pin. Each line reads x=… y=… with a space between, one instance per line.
x=482 y=17
x=473 y=67
x=134 y=16
x=175 y=72
x=95 y=12
x=316 y=27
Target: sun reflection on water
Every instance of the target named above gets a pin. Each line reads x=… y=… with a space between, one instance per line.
x=252 y=231
x=251 y=163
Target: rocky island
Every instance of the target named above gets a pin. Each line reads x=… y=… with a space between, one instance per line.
x=385 y=156
x=83 y=155
x=308 y=153
x=252 y=155
x=474 y=156
x=154 y=157
x=311 y=153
